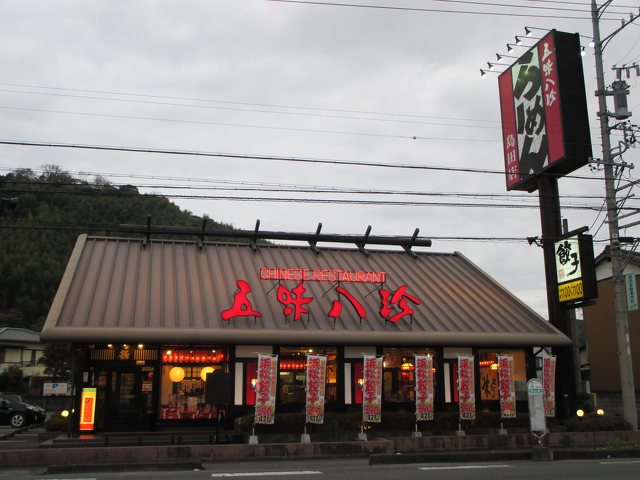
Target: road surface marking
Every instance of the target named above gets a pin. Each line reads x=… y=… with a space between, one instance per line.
x=613 y=462
x=464 y=467
x=265 y=474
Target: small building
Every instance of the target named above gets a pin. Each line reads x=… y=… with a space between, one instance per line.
x=600 y=328
x=20 y=347
x=149 y=318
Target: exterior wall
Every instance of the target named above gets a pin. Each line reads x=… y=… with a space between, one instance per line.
x=602 y=346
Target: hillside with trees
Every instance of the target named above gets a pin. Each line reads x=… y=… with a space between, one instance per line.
x=41 y=217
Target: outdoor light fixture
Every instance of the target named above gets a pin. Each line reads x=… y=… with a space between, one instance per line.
x=484 y=72
x=518 y=41
x=582 y=52
x=510 y=47
x=527 y=31
x=600 y=411
x=64 y=413
x=500 y=57
x=580 y=413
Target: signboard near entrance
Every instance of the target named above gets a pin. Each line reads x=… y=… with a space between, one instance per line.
x=87 y=409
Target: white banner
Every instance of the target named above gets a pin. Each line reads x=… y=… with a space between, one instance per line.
x=266 y=389
x=316 y=382
x=507 y=387
x=372 y=390
x=424 y=387
x=466 y=388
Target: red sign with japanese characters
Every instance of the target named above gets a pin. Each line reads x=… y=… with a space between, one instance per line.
x=316 y=382
x=372 y=390
x=545 y=121
x=424 y=387
x=549 y=385
x=466 y=388
x=295 y=301
x=266 y=389
x=506 y=386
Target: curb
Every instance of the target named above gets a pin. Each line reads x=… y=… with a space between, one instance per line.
x=123 y=467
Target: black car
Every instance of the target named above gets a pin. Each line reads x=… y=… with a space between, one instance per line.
x=16 y=413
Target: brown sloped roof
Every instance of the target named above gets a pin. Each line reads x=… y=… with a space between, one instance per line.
x=117 y=290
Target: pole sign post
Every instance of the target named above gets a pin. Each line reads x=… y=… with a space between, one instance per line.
x=537 y=419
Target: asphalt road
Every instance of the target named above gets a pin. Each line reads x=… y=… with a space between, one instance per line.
x=359 y=469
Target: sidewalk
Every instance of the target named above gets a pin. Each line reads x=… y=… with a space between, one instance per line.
x=18 y=450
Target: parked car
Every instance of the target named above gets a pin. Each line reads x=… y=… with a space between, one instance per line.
x=17 y=413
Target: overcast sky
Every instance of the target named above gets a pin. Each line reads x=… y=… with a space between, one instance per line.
x=303 y=80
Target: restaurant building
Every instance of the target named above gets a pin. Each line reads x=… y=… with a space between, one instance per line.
x=154 y=321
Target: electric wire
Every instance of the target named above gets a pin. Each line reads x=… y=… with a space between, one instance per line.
x=264 y=157
x=247 y=125
x=433 y=10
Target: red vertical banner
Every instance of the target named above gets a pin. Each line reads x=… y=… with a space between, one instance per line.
x=372 y=390
x=316 y=382
x=506 y=387
x=551 y=96
x=424 y=387
x=266 y=389
x=466 y=388
x=549 y=385
x=509 y=131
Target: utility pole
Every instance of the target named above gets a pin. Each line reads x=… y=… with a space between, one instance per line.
x=627 y=388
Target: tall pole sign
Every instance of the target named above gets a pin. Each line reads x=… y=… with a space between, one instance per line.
x=545 y=134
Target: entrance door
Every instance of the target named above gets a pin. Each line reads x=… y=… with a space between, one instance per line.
x=124 y=402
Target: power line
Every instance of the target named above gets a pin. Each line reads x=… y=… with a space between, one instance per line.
x=252 y=110
x=245 y=125
x=110 y=229
x=242 y=186
x=263 y=157
x=269 y=105
x=432 y=10
x=369 y=202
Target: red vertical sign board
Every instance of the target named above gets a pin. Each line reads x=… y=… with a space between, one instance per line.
x=549 y=385
x=266 y=389
x=509 y=133
x=466 y=388
x=316 y=382
x=372 y=390
x=550 y=91
x=506 y=387
x=424 y=387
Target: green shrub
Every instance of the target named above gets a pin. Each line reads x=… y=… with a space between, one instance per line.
x=57 y=423
x=596 y=423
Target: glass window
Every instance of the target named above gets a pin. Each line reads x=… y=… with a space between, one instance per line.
x=398 y=384
x=184 y=373
x=293 y=364
x=488 y=363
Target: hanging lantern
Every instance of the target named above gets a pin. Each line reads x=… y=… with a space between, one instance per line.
x=407 y=367
x=176 y=374
x=204 y=371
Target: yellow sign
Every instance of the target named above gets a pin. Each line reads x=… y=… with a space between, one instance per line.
x=88 y=409
x=571 y=291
